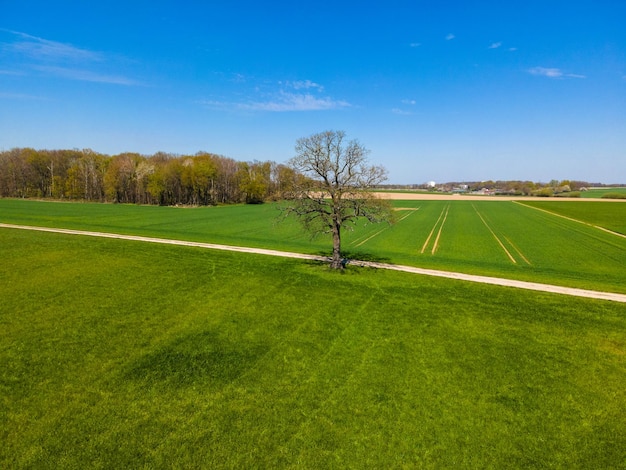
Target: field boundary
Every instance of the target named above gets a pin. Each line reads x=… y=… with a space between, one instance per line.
x=571 y=291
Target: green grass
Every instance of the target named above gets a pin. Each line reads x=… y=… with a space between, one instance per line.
x=495 y=238
x=602 y=192
x=246 y=225
x=118 y=354
x=504 y=239
x=609 y=215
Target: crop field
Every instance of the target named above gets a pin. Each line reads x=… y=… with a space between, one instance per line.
x=245 y=225
x=122 y=354
x=495 y=238
x=599 y=192
x=601 y=214
x=507 y=239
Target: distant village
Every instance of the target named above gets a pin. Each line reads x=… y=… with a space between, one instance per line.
x=553 y=188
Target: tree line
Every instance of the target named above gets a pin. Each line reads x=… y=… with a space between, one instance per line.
x=160 y=179
x=327 y=185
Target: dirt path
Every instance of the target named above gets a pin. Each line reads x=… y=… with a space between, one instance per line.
x=285 y=254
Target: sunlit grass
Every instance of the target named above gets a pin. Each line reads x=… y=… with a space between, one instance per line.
x=610 y=215
x=117 y=354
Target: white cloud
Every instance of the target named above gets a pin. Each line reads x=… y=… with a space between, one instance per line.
x=215 y=104
x=450 y=37
x=546 y=72
x=415 y=44
x=512 y=49
x=289 y=96
x=282 y=102
x=238 y=78
x=404 y=112
x=304 y=85
x=495 y=45
x=86 y=75
x=553 y=73
x=44 y=49
x=10 y=72
x=295 y=102
x=31 y=53
x=20 y=96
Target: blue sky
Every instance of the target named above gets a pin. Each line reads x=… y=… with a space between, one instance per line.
x=443 y=91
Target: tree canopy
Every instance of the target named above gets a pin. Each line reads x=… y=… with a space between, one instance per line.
x=162 y=178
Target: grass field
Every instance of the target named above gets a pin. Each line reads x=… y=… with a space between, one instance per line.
x=507 y=239
x=120 y=354
x=600 y=192
x=611 y=216
x=495 y=238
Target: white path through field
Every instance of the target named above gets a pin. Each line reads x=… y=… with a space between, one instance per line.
x=285 y=254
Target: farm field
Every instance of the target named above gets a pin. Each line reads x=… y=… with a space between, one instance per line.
x=495 y=238
x=599 y=192
x=120 y=354
x=506 y=239
x=246 y=225
x=609 y=216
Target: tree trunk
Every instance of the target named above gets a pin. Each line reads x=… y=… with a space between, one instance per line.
x=336 y=262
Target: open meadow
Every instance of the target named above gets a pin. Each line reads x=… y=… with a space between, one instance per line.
x=123 y=354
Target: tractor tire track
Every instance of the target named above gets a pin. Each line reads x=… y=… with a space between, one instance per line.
x=444 y=216
x=508 y=253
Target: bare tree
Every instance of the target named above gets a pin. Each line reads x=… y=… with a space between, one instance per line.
x=331 y=187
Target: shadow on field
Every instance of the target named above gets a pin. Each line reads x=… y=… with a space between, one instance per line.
x=196 y=358
x=357 y=256
x=361 y=256
x=350 y=258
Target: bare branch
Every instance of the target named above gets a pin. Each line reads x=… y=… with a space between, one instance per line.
x=332 y=190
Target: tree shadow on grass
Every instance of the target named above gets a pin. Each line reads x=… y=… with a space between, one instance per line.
x=364 y=256
x=356 y=256
x=199 y=358
x=350 y=259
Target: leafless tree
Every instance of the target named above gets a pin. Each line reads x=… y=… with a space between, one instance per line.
x=332 y=187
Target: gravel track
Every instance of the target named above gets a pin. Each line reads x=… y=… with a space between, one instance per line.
x=591 y=294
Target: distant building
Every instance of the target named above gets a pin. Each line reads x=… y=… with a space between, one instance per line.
x=431 y=184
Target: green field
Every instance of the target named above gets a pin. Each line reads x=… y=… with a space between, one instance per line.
x=608 y=215
x=121 y=354
x=495 y=238
x=600 y=192
x=504 y=239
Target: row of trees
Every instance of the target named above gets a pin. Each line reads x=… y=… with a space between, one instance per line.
x=162 y=178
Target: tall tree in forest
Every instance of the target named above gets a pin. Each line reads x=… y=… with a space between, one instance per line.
x=254 y=181
x=331 y=190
